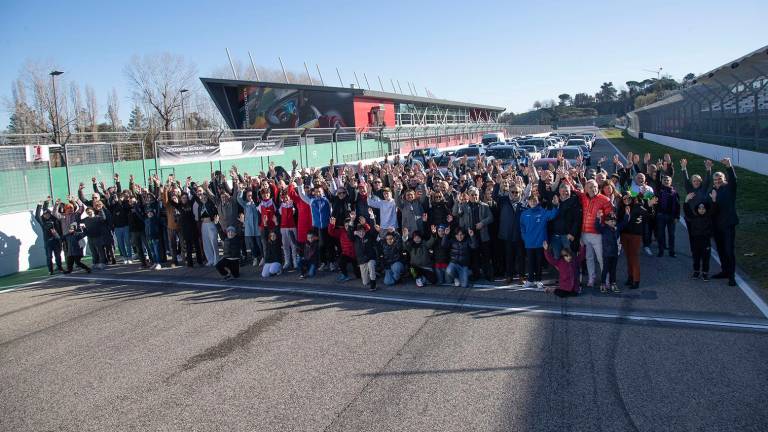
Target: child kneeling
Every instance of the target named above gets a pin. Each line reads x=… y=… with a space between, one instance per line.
x=273 y=255
x=421 y=259
x=568 y=267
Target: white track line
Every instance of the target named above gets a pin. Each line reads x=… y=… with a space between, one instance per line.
x=742 y=284
x=531 y=309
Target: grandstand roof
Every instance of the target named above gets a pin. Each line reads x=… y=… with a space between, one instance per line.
x=357 y=91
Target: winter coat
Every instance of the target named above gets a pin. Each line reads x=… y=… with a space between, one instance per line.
x=347 y=244
x=305 y=215
x=702 y=192
x=632 y=223
x=568 y=220
x=391 y=254
x=442 y=251
x=725 y=203
x=48 y=225
x=460 y=250
x=411 y=212
x=365 y=247
x=185 y=219
x=438 y=212
x=419 y=252
x=568 y=271
x=268 y=211
x=698 y=225
x=590 y=208
x=533 y=225
x=509 y=218
x=72 y=241
x=309 y=251
x=121 y=213
x=96 y=228
x=233 y=246
x=470 y=214
x=274 y=251
x=287 y=212
x=320 y=209
x=669 y=202
x=610 y=238
x=252 y=217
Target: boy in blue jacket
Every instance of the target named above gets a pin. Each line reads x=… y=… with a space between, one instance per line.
x=610 y=237
x=533 y=227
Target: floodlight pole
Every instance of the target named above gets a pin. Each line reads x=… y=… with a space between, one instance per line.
x=320 y=74
x=254 y=67
x=232 y=65
x=283 y=67
x=53 y=75
x=308 y=75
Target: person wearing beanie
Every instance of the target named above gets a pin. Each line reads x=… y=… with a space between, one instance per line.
x=609 y=231
x=51 y=235
x=699 y=216
x=72 y=238
x=421 y=264
x=365 y=251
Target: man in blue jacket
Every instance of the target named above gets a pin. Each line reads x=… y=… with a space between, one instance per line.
x=533 y=227
x=321 y=215
x=511 y=207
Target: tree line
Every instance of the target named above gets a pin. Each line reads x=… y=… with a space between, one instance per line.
x=607 y=100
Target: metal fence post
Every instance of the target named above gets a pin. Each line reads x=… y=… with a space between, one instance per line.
x=66 y=169
x=143 y=162
x=112 y=157
x=50 y=177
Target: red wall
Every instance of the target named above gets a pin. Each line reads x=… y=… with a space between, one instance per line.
x=363 y=106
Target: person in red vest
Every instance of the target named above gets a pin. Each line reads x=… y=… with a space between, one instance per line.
x=592 y=204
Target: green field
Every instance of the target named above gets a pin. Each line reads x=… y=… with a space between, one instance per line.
x=751 y=233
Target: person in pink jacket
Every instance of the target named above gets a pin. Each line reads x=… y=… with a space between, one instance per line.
x=568 y=268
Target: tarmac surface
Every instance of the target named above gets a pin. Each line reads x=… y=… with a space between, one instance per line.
x=178 y=349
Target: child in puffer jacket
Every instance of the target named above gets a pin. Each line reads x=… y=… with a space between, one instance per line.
x=460 y=246
x=347 y=255
x=421 y=265
x=442 y=254
x=610 y=236
x=273 y=254
x=365 y=250
x=74 y=250
x=310 y=256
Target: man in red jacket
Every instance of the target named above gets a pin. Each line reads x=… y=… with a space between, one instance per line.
x=592 y=204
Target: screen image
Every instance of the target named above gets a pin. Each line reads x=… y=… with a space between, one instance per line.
x=263 y=107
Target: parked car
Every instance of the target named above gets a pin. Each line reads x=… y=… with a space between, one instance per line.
x=547 y=163
x=423 y=155
x=493 y=137
x=586 y=153
x=508 y=154
x=540 y=143
x=577 y=142
x=571 y=153
x=533 y=152
x=471 y=152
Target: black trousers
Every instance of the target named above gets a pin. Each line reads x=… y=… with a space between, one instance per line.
x=426 y=273
x=514 y=257
x=535 y=259
x=725 y=239
x=701 y=249
x=481 y=259
x=53 y=252
x=76 y=260
x=231 y=264
x=190 y=244
x=609 y=269
x=343 y=260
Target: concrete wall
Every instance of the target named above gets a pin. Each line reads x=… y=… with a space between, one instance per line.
x=753 y=161
x=21 y=242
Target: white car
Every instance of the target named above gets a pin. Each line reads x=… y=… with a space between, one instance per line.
x=533 y=153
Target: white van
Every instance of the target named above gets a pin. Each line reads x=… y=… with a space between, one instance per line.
x=493 y=137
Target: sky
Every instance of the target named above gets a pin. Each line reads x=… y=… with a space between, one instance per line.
x=503 y=53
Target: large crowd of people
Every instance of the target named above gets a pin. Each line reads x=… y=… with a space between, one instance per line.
x=400 y=218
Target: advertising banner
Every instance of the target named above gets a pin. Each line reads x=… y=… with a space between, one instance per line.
x=37 y=153
x=226 y=150
x=278 y=108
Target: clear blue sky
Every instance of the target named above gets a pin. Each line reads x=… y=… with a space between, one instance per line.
x=505 y=53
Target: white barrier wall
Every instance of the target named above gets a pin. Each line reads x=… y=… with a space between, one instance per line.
x=753 y=161
x=21 y=242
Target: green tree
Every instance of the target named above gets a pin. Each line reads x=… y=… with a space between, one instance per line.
x=607 y=92
x=565 y=99
x=136 y=120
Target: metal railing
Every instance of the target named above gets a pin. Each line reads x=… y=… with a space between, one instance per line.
x=101 y=155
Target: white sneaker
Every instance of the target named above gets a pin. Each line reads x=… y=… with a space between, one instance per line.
x=539 y=285
x=529 y=284
x=158 y=267
x=129 y=261
x=456 y=283
x=255 y=263
x=261 y=263
x=648 y=251
x=419 y=282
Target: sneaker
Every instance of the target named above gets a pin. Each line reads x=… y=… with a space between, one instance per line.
x=603 y=288
x=635 y=285
x=340 y=277
x=302 y=276
x=88 y=270
x=334 y=267
x=129 y=261
x=286 y=266
x=323 y=267
x=456 y=283
x=695 y=275
x=255 y=263
x=615 y=289
x=227 y=277
x=419 y=283
x=648 y=251
x=50 y=273
x=372 y=286
x=590 y=284
x=529 y=284
x=345 y=278
x=705 y=277
x=261 y=263
x=157 y=267
x=540 y=285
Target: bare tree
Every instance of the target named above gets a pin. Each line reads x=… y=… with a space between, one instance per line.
x=113 y=110
x=156 y=81
x=91 y=109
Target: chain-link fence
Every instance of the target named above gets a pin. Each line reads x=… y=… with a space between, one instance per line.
x=100 y=156
x=727 y=106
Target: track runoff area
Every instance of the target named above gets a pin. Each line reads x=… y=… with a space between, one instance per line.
x=179 y=349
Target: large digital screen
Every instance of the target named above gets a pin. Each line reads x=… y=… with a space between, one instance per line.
x=263 y=107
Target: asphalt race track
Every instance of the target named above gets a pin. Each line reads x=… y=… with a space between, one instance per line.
x=180 y=350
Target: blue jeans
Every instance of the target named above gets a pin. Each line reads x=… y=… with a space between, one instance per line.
x=392 y=276
x=457 y=271
x=440 y=272
x=123 y=235
x=154 y=250
x=308 y=268
x=557 y=243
